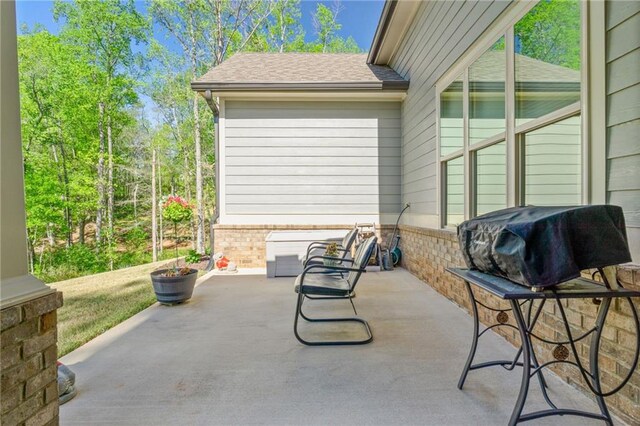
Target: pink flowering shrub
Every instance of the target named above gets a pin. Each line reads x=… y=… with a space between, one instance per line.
x=177 y=210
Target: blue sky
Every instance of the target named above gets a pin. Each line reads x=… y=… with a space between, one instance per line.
x=358 y=17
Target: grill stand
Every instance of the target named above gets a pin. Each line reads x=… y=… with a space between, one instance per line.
x=521 y=297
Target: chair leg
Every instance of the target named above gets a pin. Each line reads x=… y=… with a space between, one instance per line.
x=299 y=313
x=352 y=305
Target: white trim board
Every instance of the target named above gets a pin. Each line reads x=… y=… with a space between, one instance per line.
x=222 y=178
x=314 y=96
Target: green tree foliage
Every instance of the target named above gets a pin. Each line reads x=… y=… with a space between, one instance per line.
x=104 y=31
x=56 y=111
x=550 y=32
x=284 y=33
x=87 y=142
x=326 y=25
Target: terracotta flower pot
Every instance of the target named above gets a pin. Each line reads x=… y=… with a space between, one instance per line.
x=173 y=290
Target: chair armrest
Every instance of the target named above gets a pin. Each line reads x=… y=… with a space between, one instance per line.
x=327 y=268
x=321 y=244
x=339 y=259
x=316 y=245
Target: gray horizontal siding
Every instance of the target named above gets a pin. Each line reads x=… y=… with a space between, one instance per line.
x=623 y=110
x=312 y=158
x=439 y=34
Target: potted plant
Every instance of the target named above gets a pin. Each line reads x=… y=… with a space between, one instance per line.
x=175 y=285
x=331 y=251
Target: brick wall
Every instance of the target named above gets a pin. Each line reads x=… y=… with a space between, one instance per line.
x=29 y=388
x=245 y=244
x=426 y=254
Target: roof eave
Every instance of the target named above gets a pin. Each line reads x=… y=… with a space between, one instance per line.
x=395 y=19
x=399 y=86
x=381 y=29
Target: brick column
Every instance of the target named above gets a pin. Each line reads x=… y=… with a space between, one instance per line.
x=29 y=387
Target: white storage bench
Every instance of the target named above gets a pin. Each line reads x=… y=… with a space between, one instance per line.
x=286 y=249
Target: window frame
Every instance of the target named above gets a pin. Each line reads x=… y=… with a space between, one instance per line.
x=592 y=172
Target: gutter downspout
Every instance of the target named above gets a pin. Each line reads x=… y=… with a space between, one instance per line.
x=208 y=97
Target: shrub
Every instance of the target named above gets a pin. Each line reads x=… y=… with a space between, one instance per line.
x=192 y=257
x=66 y=263
x=136 y=238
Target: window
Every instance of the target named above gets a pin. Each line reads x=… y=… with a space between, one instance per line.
x=455 y=190
x=491 y=178
x=510 y=123
x=451 y=119
x=552 y=167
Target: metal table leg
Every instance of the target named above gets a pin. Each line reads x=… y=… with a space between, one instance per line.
x=526 y=322
x=506 y=364
x=593 y=359
x=474 y=341
x=526 y=363
x=525 y=333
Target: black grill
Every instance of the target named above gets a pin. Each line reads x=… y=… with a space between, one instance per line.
x=544 y=246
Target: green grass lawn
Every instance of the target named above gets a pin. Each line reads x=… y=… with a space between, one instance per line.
x=96 y=303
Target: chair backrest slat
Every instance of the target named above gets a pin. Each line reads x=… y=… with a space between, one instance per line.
x=361 y=259
x=348 y=239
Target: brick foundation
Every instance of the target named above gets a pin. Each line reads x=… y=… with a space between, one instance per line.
x=29 y=389
x=245 y=244
x=426 y=254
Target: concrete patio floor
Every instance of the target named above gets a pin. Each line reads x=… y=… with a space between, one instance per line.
x=229 y=357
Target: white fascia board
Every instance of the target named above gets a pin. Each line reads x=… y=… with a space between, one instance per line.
x=313 y=96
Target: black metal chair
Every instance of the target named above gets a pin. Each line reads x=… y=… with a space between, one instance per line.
x=332 y=286
x=316 y=249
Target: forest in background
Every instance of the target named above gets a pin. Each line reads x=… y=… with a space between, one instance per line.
x=97 y=169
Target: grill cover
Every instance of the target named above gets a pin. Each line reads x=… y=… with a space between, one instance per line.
x=544 y=246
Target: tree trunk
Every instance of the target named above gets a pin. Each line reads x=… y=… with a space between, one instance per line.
x=283 y=29
x=65 y=178
x=50 y=237
x=41 y=256
x=186 y=178
x=160 y=205
x=154 y=204
x=196 y=137
x=175 y=243
x=199 y=192
x=32 y=253
x=109 y=177
x=81 y=227
x=110 y=190
x=100 y=210
x=220 y=36
x=135 y=202
x=187 y=190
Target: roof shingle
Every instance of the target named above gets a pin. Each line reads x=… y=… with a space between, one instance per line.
x=299 y=71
